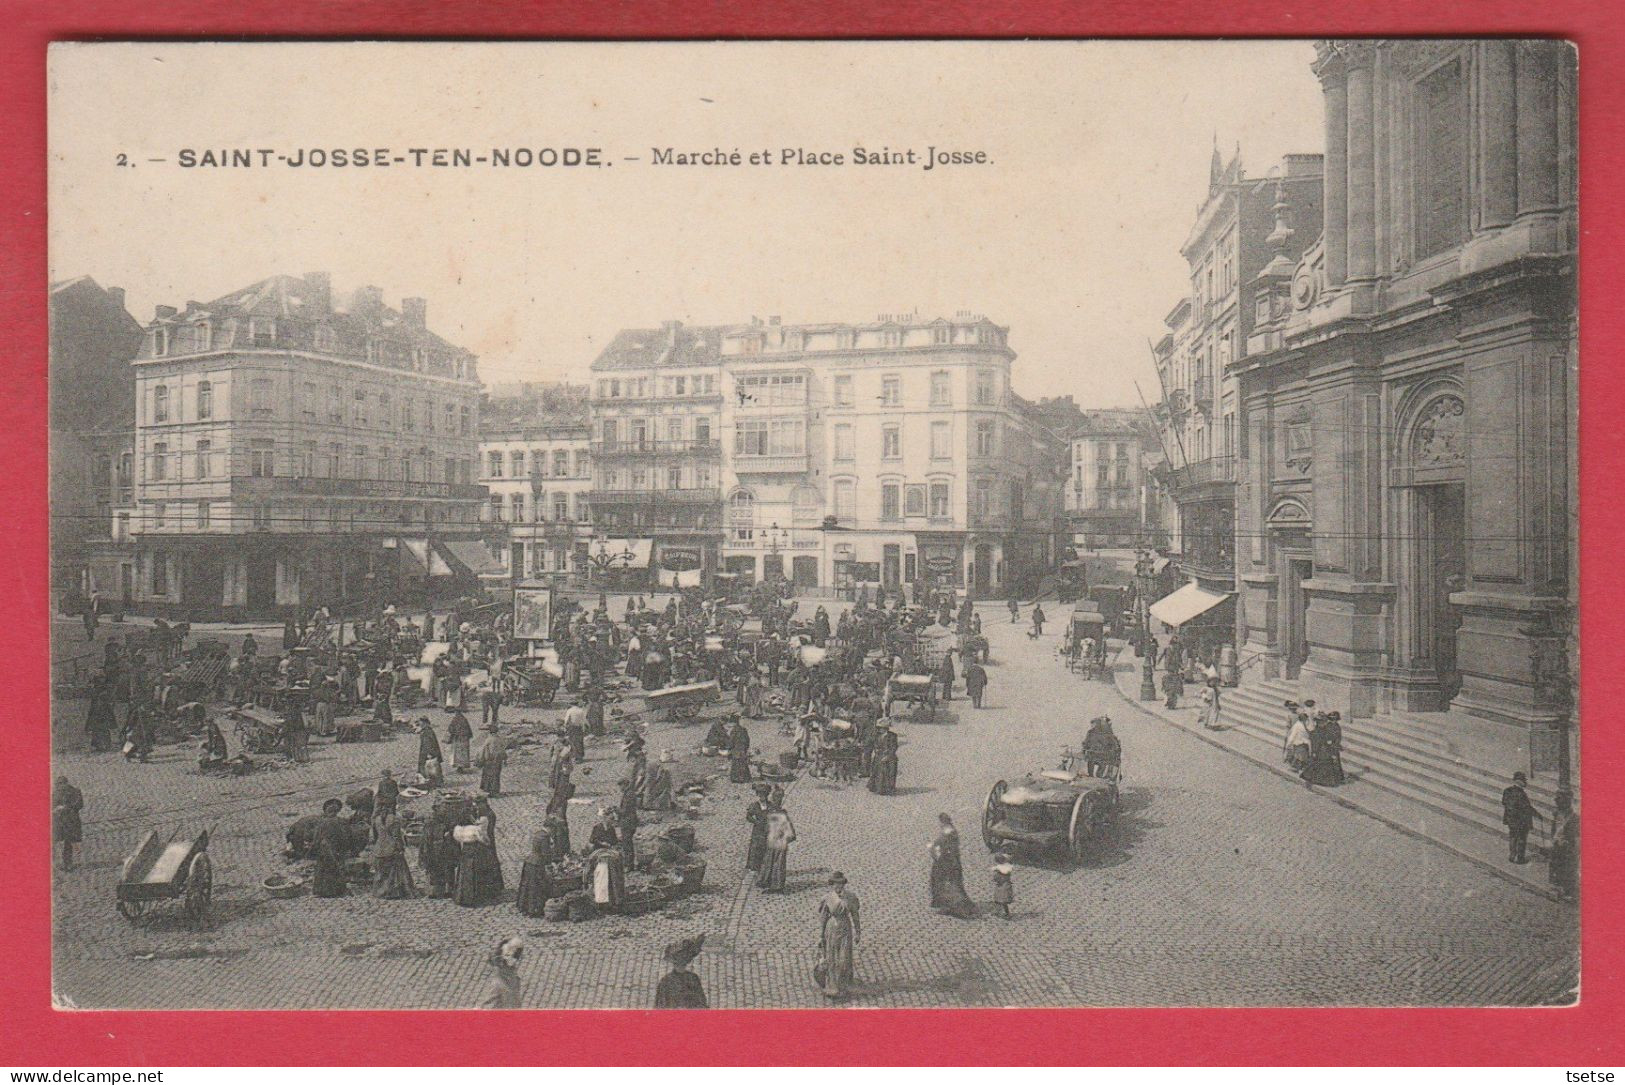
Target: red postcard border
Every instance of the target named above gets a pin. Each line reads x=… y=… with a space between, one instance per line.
x=36 y=1035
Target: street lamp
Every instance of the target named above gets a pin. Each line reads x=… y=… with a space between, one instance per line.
x=776 y=537
x=604 y=559
x=1148 y=654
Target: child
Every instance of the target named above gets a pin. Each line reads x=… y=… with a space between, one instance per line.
x=1004 y=888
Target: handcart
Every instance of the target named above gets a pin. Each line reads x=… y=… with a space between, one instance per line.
x=167 y=869
x=683 y=702
x=919 y=690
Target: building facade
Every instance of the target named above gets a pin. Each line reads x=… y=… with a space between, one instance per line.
x=94 y=340
x=1227 y=248
x=536 y=463
x=1410 y=472
x=885 y=453
x=1107 y=504
x=656 y=497
x=291 y=452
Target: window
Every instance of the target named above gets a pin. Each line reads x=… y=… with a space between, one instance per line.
x=612 y=431
x=451 y=468
x=892 y=337
x=914 y=501
x=843 y=390
x=451 y=418
x=986 y=387
x=203 y=452
x=409 y=419
x=262 y=517
x=891 y=391
x=942 y=389
x=516 y=463
x=941 y=440
x=386 y=412
x=939 y=501
x=465 y=421
x=742 y=515
x=160 y=461
x=772 y=390
x=205 y=400
x=674 y=478
x=160 y=564
x=160 y=515
x=494 y=514
x=750 y=438
x=640 y=478
x=889 y=497
x=583 y=468
x=638 y=433
x=941 y=334
x=702 y=431
x=844 y=449
x=702 y=476
x=261 y=457
x=203 y=515
x=160 y=403
x=160 y=342
x=358 y=414
x=260 y=403
x=335 y=460
x=674 y=431
x=614 y=389
x=335 y=404
x=307 y=460
x=982 y=500
x=325 y=338
x=262 y=333
x=561 y=463
x=846 y=500
x=1441 y=160
x=360 y=454
x=307 y=401
x=516 y=508
x=986 y=444
x=561 y=506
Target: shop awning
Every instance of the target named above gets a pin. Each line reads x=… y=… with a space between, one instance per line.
x=1185 y=604
x=472 y=555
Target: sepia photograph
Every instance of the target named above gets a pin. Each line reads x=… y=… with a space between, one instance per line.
x=811 y=524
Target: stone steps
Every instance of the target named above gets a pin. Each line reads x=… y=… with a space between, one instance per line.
x=1396 y=754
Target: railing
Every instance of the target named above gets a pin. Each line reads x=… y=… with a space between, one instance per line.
x=1202 y=393
x=656 y=448
x=695 y=496
x=271 y=485
x=794 y=462
x=1215 y=469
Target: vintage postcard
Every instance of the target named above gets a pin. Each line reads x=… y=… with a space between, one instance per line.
x=783 y=525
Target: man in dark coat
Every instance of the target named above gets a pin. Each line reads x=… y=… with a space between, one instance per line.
x=1518 y=814
x=975 y=682
x=332 y=843
x=756 y=818
x=739 y=753
x=67 y=829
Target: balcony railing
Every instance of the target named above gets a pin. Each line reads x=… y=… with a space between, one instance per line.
x=247 y=486
x=1215 y=469
x=657 y=448
x=793 y=463
x=694 y=496
x=1202 y=393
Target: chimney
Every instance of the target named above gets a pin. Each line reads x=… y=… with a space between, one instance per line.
x=116 y=295
x=415 y=311
x=319 y=291
x=773 y=321
x=367 y=301
x=164 y=312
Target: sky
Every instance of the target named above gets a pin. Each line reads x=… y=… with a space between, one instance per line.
x=1097 y=159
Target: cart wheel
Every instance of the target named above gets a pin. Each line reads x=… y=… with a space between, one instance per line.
x=132 y=909
x=1088 y=825
x=990 y=814
x=199 y=888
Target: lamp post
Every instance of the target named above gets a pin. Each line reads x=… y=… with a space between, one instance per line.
x=603 y=560
x=1148 y=653
x=775 y=540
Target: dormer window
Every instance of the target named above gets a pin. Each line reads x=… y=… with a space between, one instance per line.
x=941 y=334
x=200 y=336
x=326 y=338
x=160 y=342
x=262 y=332
x=892 y=337
x=419 y=359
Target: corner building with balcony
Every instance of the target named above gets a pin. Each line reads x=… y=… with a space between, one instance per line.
x=882 y=454
x=1411 y=399
x=294 y=453
x=536 y=463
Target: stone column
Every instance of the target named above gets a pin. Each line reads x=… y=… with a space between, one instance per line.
x=1360 y=213
x=1497 y=135
x=1329 y=66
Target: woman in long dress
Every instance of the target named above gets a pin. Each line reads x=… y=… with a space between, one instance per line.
x=437 y=853
x=605 y=874
x=460 y=734
x=429 y=750
x=332 y=848
x=1325 y=752
x=479 y=871
x=739 y=754
x=756 y=816
x=536 y=879
x=1210 y=707
x=947 y=875
x=492 y=756
x=781 y=832
x=840 y=934
x=883 y=760
x=394 y=875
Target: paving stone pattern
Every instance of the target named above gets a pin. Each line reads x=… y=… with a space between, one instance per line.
x=1226 y=885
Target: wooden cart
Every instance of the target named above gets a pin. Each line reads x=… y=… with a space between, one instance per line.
x=167 y=869
x=919 y=690
x=682 y=702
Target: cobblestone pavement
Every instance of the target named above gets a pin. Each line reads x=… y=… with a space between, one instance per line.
x=1226 y=886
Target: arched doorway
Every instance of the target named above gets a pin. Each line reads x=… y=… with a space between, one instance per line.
x=983 y=578
x=1289 y=527
x=1433 y=540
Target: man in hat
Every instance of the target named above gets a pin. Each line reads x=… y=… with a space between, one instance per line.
x=657 y=784
x=627 y=817
x=492 y=756
x=975 y=682
x=756 y=818
x=575 y=731
x=1518 y=814
x=738 y=752
x=680 y=989
x=387 y=794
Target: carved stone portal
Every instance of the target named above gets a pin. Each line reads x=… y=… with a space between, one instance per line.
x=1439 y=440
